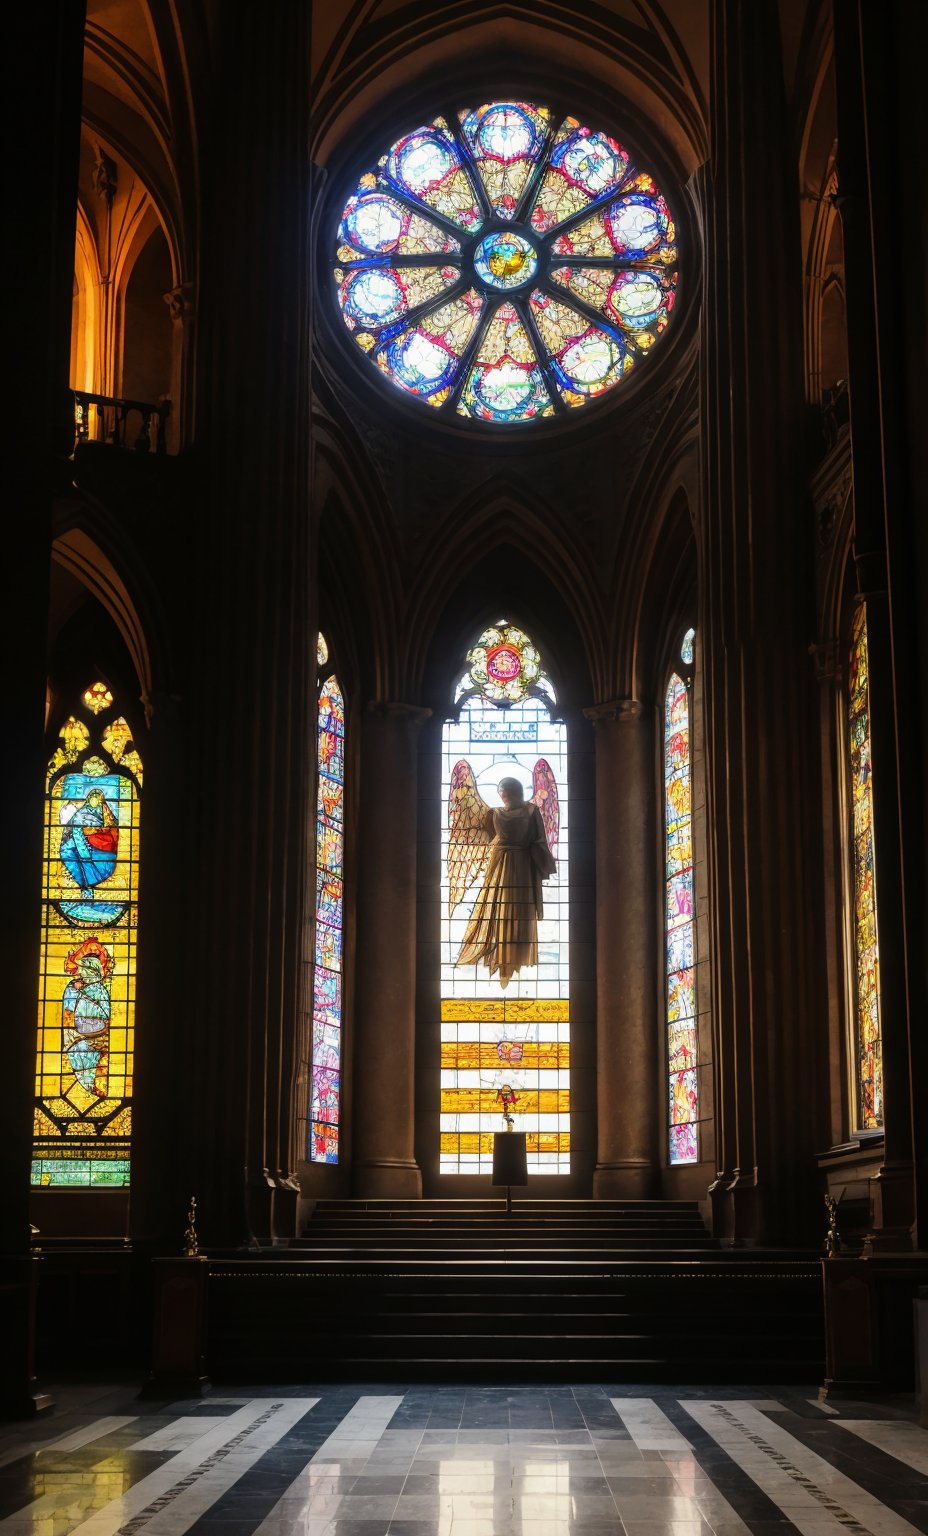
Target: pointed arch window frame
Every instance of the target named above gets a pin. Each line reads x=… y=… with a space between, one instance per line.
x=326 y=1054
x=87 y=965
x=862 y=918
x=681 y=1055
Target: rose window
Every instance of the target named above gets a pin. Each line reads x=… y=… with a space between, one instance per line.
x=506 y=265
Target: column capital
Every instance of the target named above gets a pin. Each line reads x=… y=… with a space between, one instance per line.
x=826 y=658
x=181 y=301
x=616 y=711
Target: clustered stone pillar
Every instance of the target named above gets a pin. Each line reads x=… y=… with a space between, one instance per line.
x=755 y=572
x=870 y=157
x=249 y=702
x=626 y=1059
x=46 y=91
x=384 y=1164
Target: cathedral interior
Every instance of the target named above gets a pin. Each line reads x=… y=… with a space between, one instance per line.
x=468 y=705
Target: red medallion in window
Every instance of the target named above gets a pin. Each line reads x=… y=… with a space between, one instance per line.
x=504 y=663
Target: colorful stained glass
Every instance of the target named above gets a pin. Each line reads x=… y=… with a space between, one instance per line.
x=428 y=164
x=583 y=167
x=375 y=224
x=498 y=325
x=584 y=359
x=679 y=924
x=506 y=140
x=505 y=382
x=372 y=297
x=636 y=227
x=329 y=921
x=505 y=260
x=639 y=301
x=425 y=359
x=504 y=664
x=505 y=1047
x=87 y=967
x=866 y=938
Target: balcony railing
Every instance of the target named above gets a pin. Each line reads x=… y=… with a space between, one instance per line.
x=135 y=424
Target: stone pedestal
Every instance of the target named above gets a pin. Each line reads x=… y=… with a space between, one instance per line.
x=384 y=1165
x=626 y=955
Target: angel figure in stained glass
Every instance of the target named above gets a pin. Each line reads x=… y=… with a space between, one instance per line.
x=509 y=847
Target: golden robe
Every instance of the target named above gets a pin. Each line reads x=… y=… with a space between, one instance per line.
x=503 y=928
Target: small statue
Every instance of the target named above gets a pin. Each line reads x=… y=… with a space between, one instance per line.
x=507 y=1096
x=191 y=1250
x=832 y=1236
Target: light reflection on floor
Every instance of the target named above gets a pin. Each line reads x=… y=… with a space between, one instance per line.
x=468 y=1461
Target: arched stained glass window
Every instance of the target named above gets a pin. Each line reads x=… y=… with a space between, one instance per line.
x=330 y=915
x=680 y=927
x=505 y=264
x=866 y=947
x=505 y=977
x=87 y=965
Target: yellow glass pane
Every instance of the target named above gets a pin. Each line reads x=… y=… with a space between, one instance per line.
x=475 y=1055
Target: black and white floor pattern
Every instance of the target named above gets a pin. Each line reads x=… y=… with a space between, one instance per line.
x=467 y=1461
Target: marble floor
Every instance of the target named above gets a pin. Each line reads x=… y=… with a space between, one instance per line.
x=466 y=1461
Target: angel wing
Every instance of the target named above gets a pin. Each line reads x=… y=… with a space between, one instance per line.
x=469 y=842
x=545 y=797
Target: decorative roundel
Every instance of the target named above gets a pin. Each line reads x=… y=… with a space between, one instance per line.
x=504 y=266
x=504 y=663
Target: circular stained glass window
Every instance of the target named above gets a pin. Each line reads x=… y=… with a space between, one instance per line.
x=506 y=265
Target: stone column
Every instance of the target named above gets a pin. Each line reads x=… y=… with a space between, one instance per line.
x=249 y=698
x=627 y=1033
x=755 y=614
x=880 y=518
x=384 y=1164
x=45 y=86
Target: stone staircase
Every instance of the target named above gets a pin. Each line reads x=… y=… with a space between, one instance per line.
x=455 y=1290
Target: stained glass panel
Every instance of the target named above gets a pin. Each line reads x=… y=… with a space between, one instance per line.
x=372 y=297
x=503 y=326
x=679 y=920
x=425 y=358
x=82 y=1119
x=505 y=1047
x=640 y=302
x=375 y=224
x=329 y=924
x=866 y=943
x=505 y=382
x=428 y=164
x=506 y=140
x=584 y=359
x=583 y=166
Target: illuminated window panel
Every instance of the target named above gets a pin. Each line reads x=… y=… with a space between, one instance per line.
x=866 y=946
x=505 y=265
x=504 y=1045
x=87 y=967
x=679 y=917
x=329 y=924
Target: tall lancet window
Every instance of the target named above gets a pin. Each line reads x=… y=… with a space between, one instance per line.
x=83 y=1104
x=679 y=913
x=329 y=926
x=869 y=1049
x=505 y=980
